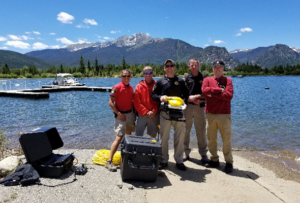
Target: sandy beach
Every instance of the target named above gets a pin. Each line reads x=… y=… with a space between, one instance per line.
x=257 y=177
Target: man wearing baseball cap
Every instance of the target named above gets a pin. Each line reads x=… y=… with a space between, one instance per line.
x=171 y=85
x=218 y=91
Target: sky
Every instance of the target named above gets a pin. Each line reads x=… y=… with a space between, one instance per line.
x=30 y=25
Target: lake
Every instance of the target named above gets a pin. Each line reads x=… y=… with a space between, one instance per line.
x=262 y=119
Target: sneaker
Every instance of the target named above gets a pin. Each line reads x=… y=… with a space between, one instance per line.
x=110 y=166
x=212 y=164
x=228 y=168
x=187 y=157
x=162 y=166
x=181 y=167
x=204 y=160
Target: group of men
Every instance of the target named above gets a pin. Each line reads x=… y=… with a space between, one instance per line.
x=208 y=108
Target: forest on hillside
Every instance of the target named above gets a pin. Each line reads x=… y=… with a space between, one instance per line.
x=99 y=70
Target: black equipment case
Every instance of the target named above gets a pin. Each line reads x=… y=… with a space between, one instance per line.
x=140 y=158
x=37 y=146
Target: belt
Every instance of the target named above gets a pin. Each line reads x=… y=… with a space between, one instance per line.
x=126 y=111
x=202 y=104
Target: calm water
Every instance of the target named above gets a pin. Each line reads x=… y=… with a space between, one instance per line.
x=262 y=119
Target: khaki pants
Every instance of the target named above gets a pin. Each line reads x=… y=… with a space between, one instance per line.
x=150 y=123
x=221 y=122
x=195 y=114
x=179 y=132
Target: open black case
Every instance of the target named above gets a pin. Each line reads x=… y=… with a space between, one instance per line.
x=38 y=145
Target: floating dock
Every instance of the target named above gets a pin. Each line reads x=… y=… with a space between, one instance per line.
x=41 y=93
x=19 y=93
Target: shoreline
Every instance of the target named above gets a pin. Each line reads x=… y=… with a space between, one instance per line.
x=249 y=182
x=281 y=163
x=284 y=164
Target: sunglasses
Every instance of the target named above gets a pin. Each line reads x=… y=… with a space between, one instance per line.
x=148 y=73
x=167 y=66
x=126 y=76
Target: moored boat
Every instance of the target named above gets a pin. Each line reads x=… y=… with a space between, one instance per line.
x=66 y=79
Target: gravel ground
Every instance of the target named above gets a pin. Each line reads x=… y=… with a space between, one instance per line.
x=257 y=177
x=97 y=185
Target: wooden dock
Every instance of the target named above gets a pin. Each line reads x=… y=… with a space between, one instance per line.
x=19 y=93
x=41 y=93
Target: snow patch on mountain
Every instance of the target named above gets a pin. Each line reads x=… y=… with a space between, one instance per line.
x=239 y=50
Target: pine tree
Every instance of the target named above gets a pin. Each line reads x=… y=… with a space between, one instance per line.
x=124 y=65
x=81 y=68
x=5 y=69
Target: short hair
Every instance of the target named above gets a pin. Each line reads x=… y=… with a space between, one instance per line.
x=194 y=60
x=147 y=68
x=125 y=70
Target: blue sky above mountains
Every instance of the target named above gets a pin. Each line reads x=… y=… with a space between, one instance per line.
x=30 y=25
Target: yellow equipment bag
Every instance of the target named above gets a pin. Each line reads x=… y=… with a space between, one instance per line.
x=102 y=156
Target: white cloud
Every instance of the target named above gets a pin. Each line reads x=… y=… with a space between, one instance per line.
x=27 y=33
x=218 y=42
x=39 y=45
x=148 y=34
x=82 y=41
x=108 y=38
x=64 y=41
x=14 y=37
x=55 y=46
x=115 y=31
x=246 y=29
x=52 y=33
x=65 y=18
x=90 y=21
x=3 y=48
x=36 y=32
x=206 y=45
x=18 y=44
x=82 y=26
x=24 y=37
x=2 y=39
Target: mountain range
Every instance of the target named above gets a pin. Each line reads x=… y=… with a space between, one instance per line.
x=143 y=49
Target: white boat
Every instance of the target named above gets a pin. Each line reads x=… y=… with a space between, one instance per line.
x=66 y=79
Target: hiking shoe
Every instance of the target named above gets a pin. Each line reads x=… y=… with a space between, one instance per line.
x=162 y=166
x=204 y=160
x=110 y=166
x=181 y=167
x=187 y=157
x=212 y=164
x=228 y=168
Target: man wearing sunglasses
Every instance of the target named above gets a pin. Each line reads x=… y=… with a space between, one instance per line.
x=171 y=85
x=194 y=112
x=219 y=92
x=146 y=107
x=121 y=103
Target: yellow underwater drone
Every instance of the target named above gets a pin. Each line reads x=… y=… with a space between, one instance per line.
x=173 y=109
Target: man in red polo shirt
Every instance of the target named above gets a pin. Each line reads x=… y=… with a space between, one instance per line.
x=121 y=103
x=219 y=92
